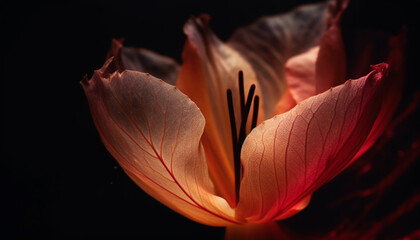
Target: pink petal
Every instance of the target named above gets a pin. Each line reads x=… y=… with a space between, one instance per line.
x=300 y=74
x=393 y=87
x=269 y=42
x=154 y=131
x=209 y=68
x=288 y=157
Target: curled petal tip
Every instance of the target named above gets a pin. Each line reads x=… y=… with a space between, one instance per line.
x=85 y=80
x=108 y=68
x=205 y=18
x=381 y=68
x=380 y=71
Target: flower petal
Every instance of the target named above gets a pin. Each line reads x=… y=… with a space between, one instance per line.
x=269 y=42
x=154 y=131
x=286 y=103
x=209 y=68
x=393 y=87
x=300 y=74
x=288 y=157
x=331 y=62
x=143 y=60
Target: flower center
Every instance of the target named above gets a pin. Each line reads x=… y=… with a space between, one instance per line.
x=239 y=138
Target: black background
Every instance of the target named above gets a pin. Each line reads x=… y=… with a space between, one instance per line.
x=57 y=179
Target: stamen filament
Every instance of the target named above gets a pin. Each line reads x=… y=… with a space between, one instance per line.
x=232 y=119
x=255 y=113
x=236 y=149
x=237 y=141
x=242 y=130
x=241 y=92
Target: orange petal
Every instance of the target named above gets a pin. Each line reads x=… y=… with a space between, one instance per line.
x=143 y=60
x=286 y=103
x=288 y=157
x=268 y=43
x=209 y=68
x=154 y=131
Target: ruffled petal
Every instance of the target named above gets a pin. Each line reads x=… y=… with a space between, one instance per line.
x=143 y=60
x=288 y=157
x=209 y=68
x=154 y=131
x=268 y=43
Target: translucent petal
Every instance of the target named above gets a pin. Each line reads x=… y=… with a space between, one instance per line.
x=209 y=68
x=269 y=42
x=154 y=131
x=291 y=155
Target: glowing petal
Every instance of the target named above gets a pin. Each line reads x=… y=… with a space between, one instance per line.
x=154 y=132
x=268 y=43
x=289 y=156
x=209 y=68
x=392 y=91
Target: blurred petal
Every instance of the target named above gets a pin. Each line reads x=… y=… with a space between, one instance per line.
x=268 y=43
x=286 y=103
x=209 y=68
x=266 y=231
x=154 y=131
x=291 y=155
x=143 y=60
x=300 y=74
x=331 y=62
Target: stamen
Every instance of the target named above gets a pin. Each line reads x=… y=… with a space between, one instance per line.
x=241 y=92
x=236 y=148
x=232 y=120
x=255 y=113
x=242 y=133
x=237 y=141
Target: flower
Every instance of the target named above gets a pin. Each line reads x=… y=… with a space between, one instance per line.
x=186 y=139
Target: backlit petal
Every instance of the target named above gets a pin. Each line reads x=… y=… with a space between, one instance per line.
x=268 y=43
x=209 y=68
x=393 y=87
x=288 y=157
x=154 y=131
